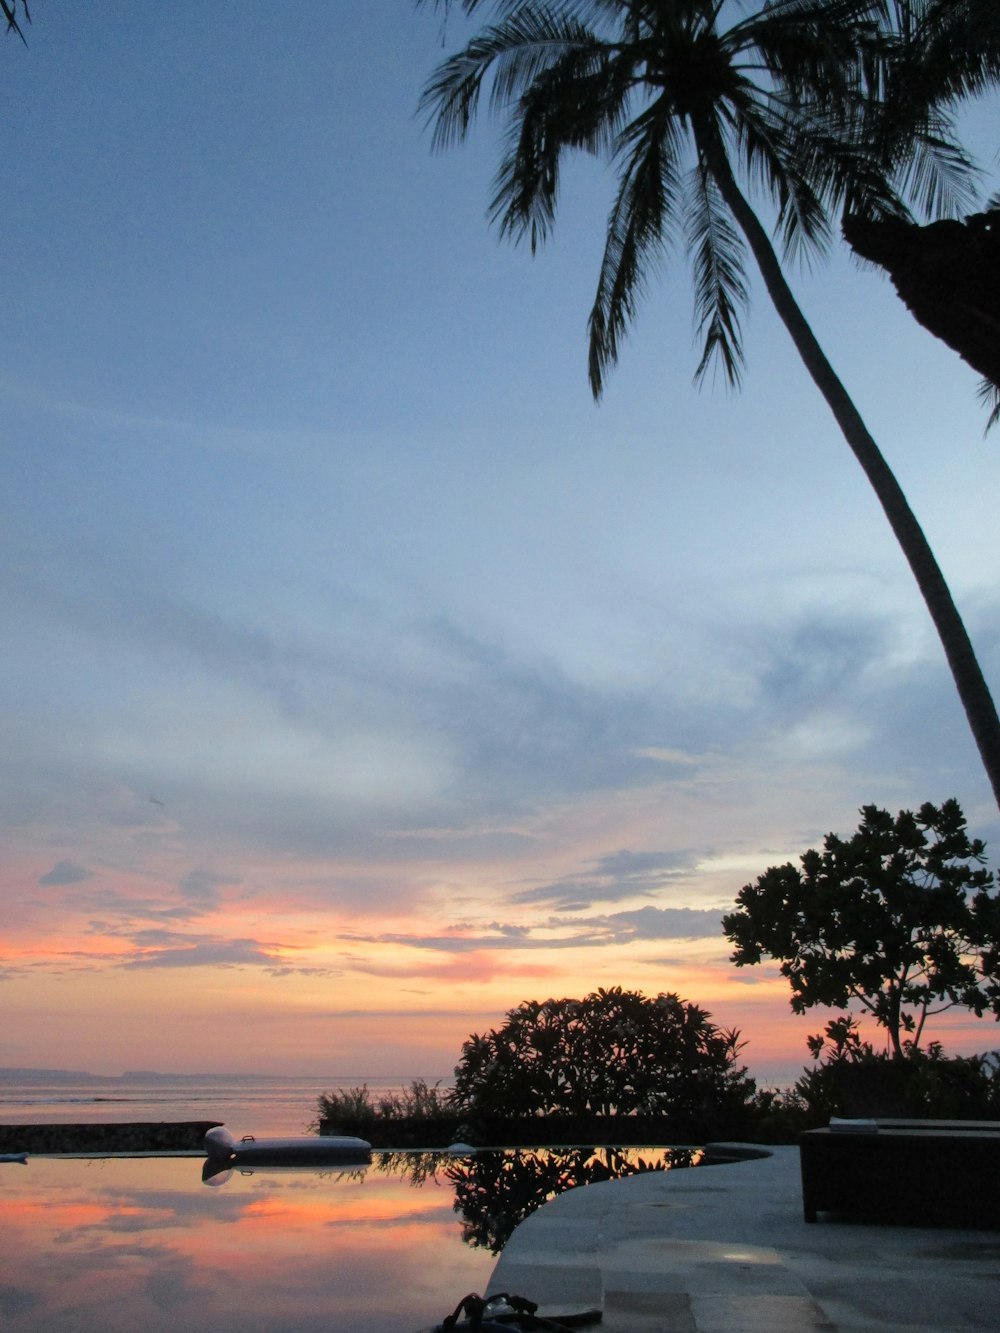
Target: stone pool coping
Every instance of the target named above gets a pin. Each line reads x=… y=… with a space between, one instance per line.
x=726 y=1248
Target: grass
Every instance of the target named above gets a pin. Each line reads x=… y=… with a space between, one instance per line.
x=359 y=1107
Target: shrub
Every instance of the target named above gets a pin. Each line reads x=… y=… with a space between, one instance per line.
x=615 y=1052
x=852 y=1079
x=354 y=1110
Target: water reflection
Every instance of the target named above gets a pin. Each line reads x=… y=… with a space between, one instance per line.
x=494 y=1191
x=127 y=1243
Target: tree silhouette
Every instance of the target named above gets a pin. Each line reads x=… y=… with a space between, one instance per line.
x=615 y=1052
x=900 y=918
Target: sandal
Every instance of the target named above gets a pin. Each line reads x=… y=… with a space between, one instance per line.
x=515 y=1314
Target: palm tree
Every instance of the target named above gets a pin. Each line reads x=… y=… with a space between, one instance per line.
x=783 y=99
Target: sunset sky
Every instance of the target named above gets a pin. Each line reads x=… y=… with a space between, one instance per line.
x=362 y=678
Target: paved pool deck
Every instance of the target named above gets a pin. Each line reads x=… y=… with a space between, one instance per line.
x=722 y=1249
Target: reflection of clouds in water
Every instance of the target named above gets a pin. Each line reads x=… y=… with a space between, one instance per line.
x=141 y=1211
x=125 y=1244
x=102 y=1249
x=16 y=1301
x=171 y=1285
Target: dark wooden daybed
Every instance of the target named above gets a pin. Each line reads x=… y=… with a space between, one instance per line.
x=916 y=1172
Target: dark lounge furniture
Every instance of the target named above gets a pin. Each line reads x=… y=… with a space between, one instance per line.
x=915 y=1172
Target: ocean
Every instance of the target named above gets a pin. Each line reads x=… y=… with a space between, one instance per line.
x=246 y=1103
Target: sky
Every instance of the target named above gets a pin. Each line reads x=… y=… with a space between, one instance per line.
x=362 y=677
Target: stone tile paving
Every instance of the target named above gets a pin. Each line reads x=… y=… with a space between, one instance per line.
x=725 y=1249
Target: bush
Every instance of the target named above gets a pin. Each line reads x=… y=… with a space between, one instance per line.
x=778 y=1116
x=355 y=1110
x=854 y=1080
x=615 y=1052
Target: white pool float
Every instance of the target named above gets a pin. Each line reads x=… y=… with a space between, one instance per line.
x=221 y=1146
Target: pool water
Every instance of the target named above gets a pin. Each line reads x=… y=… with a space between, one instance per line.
x=144 y=1245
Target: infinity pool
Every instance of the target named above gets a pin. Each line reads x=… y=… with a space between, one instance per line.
x=143 y=1245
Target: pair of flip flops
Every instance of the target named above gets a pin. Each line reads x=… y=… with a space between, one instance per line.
x=509 y=1314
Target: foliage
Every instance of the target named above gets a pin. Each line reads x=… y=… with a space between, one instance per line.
x=615 y=1052
x=778 y=1115
x=899 y=918
x=950 y=49
x=852 y=1079
x=358 y=1108
x=416 y=1167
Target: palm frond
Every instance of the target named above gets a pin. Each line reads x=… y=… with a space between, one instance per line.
x=802 y=97
x=720 y=290
x=9 y=10
x=782 y=164
x=513 y=53
x=838 y=166
x=988 y=394
x=641 y=225
x=580 y=101
x=822 y=50
x=938 y=51
x=936 y=172
x=856 y=71
x=953 y=48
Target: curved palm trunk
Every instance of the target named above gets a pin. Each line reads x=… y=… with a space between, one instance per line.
x=972 y=688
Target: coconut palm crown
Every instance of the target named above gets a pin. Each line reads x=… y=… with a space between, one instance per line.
x=683 y=106
x=699 y=104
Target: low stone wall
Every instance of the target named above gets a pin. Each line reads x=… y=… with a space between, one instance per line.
x=134 y=1137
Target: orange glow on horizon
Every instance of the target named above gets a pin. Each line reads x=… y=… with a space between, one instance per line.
x=380 y=986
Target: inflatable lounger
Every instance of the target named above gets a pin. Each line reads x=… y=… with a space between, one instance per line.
x=222 y=1147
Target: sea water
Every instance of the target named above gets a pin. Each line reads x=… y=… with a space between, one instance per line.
x=257 y=1104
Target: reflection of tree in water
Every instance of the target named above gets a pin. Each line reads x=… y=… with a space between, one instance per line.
x=416 y=1167
x=494 y=1191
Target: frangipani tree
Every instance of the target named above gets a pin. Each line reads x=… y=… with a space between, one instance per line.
x=615 y=1052
x=699 y=105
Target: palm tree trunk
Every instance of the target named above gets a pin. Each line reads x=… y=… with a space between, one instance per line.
x=969 y=680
